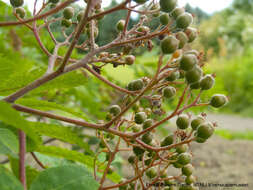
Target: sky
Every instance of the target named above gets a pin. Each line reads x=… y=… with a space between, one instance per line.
x=209 y=6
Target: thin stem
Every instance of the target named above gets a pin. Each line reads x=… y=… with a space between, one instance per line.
x=22 y=151
x=37 y=160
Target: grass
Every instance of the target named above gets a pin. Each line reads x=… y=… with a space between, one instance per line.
x=235 y=135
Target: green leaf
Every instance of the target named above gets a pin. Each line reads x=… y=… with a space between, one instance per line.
x=12 y=117
x=8 y=143
x=69 y=177
x=63 y=133
x=8 y=181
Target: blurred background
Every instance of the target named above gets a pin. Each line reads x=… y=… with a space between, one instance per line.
x=225 y=38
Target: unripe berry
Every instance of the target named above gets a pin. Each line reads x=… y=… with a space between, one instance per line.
x=188 y=61
x=120 y=25
x=193 y=51
x=183 y=121
x=16 y=3
x=54 y=1
x=140 y=1
x=66 y=23
x=184 y=20
x=181 y=149
x=147 y=123
x=200 y=140
x=197 y=122
x=80 y=16
x=192 y=34
x=140 y=117
x=95 y=32
x=193 y=75
x=138 y=85
x=131 y=159
x=167 y=141
x=164 y=19
x=20 y=11
x=195 y=86
x=156 y=8
x=143 y=30
x=136 y=128
x=129 y=60
x=169 y=92
x=99 y=11
x=190 y=179
x=205 y=130
x=68 y=12
x=151 y=173
x=147 y=138
x=177 y=165
x=138 y=151
x=177 y=12
x=173 y=76
x=184 y=158
x=207 y=82
x=110 y=170
x=115 y=110
x=187 y=170
x=169 y=45
x=148 y=162
x=183 y=39
x=218 y=100
x=167 y=5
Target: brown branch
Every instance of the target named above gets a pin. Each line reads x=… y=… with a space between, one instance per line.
x=37 y=160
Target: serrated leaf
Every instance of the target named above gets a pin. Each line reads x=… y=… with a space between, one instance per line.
x=63 y=133
x=12 y=117
x=8 y=143
x=9 y=181
x=69 y=177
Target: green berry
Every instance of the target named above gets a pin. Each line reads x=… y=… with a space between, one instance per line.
x=164 y=19
x=169 y=45
x=147 y=123
x=148 y=162
x=169 y=92
x=177 y=12
x=140 y=1
x=131 y=159
x=218 y=100
x=200 y=140
x=120 y=25
x=115 y=110
x=109 y=117
x=136 y=128
x=188 y=61
x=98 y=11
x=167 y=5
x=138 y=151
x=173 y=76
x=140 y=117
x=197 y=122
x=54 y=1
x=68 y=12
x=110 y=136
x=195 y=86
x=205 y=130
x=184 y=20
x=190 y=179
x=95 y=32
x=207 y=82
x=66 y=23
x=151 y=173
x=143 y=30
x=167 y=141
x=20 y=11
x=181 y=148
x=192 y=34
x=129 y=59
x=182 y=121
x=138 y=85
x=110 y=170
x=102 y=144
x=187 y=170
x=155 y=8
x=193 y=75
x=80 y=16
x=147 y=138
x=183 y=39
x=177 y=165
x=193 y=51
x=184 y=158
x=17 y=3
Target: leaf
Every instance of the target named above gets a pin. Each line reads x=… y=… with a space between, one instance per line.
x=69 y=177
x=8 y=143
x=12 y=117
x=9 y=181
x=63 y=133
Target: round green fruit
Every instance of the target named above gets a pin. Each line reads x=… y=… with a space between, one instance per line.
x=207 y=82
x=151 y=173
x=138 y=151
x=164 y=19
x=177 y=12
x=184 y=20
x=190 y=179
x=183 y=121
x=147 y=138
x=183 y=39
x=192 y=34
x=197 y=122
x=138 y=85
x=218 y=100
x=80 y=16
x=181 y=149
x=143 y=29
x=147 y=123
x=169 y=92
x=131 y=159
x=68 y=12
x=120 y=25
x=205 y=130
x=169 y=45
x=98 y=11
x=54 y=1
x=129 y=59
x=184 y=158
x=177 y=165
x=167 y=5
x=140 y=117
x=115 y=110
x=20 y=11
x=193 y=51
x=193 y=75
x=200 y=140
x=188 y=61
x=16 y=3
x=140 y=1
x=173 y=76
x=136 y=128
x=187 y=170
x=66 y=23
x=195 y=86
x=167 y=141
